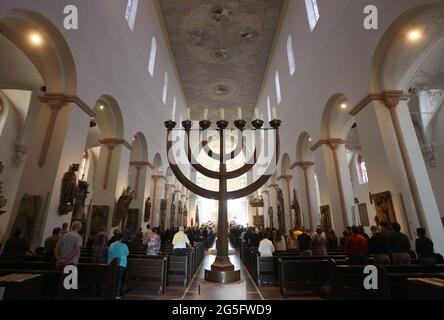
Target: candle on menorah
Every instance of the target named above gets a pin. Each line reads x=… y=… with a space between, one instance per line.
x=222 y=271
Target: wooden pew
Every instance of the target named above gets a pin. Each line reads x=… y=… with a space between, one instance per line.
x=177 y=273
x=302 y=277
x=52 y=288
x=394 y=279
x=147 y=274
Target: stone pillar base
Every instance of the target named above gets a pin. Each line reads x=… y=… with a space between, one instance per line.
x=216 y=291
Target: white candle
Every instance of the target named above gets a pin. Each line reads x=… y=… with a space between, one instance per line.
x=222 y=114
x=274 y=113
x=172 y=114
x=256 y=113
x=206 y=114
x=188 y=114
x=239 y=113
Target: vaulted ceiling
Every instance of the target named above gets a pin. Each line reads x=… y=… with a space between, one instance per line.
x=221 y=50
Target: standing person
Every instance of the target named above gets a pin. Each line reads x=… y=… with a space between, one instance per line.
x=119 y=250
x=400 y=245
x=147 y=233
x=67 y=250
x=304 y=240
x=266 y=248
x=279 y=241
x=50 y=244
x=319 y=243
x=153 y=243
x=180 y=243
x=356 y=246
x=332 y=241
x=424 y=248
x=291 y=241
x=64 y=228
x=16 y=247
x=379 y=246
x=100 y=249
x=113 y=238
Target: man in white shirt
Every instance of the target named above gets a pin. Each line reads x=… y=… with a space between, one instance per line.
x=266 y=247
x=180 y=243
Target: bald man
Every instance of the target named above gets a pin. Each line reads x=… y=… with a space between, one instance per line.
x=67 y=250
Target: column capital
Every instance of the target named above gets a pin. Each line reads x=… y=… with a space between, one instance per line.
x=275 y=186
x=140 y=164
x=303 y=164
x=54 y=100
x=391 y=99
x=158 y=177
x=330 y=142
x=285 y=177
x=111 y=143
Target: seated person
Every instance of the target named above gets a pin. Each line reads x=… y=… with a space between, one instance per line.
x=266 y=248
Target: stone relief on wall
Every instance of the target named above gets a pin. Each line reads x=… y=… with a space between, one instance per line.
x=3 y=200
x=122 y=206
x=172 y=211
x=79 y=202
x=326 y=223
x=132 y=221
x=28 y=216
x=99 y=219
x=69 y=189
x=179 y=213
x=18 y=154
x=385 y=211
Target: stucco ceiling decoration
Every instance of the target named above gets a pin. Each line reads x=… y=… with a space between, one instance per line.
x=221 y=50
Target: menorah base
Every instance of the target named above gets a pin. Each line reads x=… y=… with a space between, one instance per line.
x=222 y=277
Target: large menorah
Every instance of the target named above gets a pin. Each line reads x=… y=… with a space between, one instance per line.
x=222 y=270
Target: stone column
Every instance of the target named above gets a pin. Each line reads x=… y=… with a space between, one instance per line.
x=169 y=191
x=57 y=133
x=158 y=190
x=266 y=196
x=284 y=184
x=138 y=174
x=395 y=163
x=273 y=189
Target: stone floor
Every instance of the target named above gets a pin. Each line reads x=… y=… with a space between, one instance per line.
x=192 y=292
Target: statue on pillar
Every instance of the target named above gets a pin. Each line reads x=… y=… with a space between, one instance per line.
x=179 y=213
x=271 y=216
x=297 y=211
x=69 y=189
x=122 y=206
x=3 y=200
x=281 y=210
x=172 y=211
x=163 y=207
x=79 y=202
x=197 y=216
x=147 y=214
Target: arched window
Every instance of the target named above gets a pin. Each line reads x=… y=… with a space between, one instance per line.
x=130 y=12
x=165 y=88
x=152 y=60
x=278 y=88
x=362 y=170
x=312 y=12
x=290 y=53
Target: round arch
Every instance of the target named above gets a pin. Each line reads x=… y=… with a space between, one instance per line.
x=303 y=148
x=109 y=117
x=139 y=149
x=397 y=59
x=52 y=57
x=336 y=121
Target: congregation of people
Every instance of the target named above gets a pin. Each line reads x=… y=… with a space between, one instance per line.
x=386 y=245
x=64 y=246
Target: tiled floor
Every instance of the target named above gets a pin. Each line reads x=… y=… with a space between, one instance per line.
x=192 y=292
